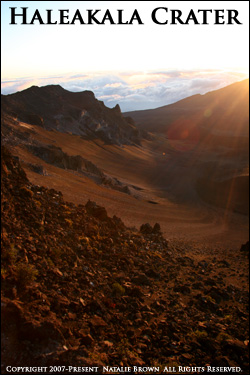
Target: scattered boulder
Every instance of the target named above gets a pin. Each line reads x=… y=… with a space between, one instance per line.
x=86 y=339
x=245 y=248
x=96 y=211
x=146 y=228
x=184 y=289
x=157 y=228
x=141 y=279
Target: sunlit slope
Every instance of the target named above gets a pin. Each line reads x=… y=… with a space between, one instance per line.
x=222 y=112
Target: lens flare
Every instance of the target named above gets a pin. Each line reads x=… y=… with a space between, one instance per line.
x=183 y=135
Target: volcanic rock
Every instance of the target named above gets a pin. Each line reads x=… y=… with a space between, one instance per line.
x=80 y=113
x=79 y=287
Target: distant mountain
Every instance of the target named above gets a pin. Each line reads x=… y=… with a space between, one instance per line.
x=80 y=113
x=224 y=112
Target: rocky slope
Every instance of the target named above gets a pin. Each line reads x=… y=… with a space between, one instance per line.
x=55 y=108
x=79 y=288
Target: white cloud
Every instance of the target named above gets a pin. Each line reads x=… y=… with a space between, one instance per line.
x=135 y=90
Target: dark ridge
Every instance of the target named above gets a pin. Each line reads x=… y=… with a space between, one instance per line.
x=80 y=113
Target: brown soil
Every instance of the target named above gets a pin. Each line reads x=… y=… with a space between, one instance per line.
x=165 y=178
x=80 y=288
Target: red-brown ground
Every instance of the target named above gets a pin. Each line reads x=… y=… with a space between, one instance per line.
x=79 y=288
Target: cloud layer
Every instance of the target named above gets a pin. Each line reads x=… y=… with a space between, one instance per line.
x=134 y=90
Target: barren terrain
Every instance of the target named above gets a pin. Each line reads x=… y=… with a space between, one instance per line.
x=121 y=247
x=161 y=179
x=81 y=289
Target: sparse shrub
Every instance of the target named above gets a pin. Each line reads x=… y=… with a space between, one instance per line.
x=199 y=335
x=26 y=192
x=4 y=272
x=223 y=336
x=228 y=318
x=25 y=273
x=118 y=290
x=50 y=263
x=210 y=299
x=125 y=350
x=69 y=221
x=37 y=203
x=84 y=240
x=67 y=212
x=97 y=358
x=10 y=254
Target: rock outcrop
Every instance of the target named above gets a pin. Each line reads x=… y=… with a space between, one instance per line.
x=80 y=113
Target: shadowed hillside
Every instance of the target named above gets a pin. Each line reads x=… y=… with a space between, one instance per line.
x=217 y=124
x=222 y=112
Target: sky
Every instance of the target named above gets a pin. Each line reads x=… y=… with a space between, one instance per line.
x=137 y=66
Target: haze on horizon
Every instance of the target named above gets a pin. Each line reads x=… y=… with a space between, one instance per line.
x=137 y=66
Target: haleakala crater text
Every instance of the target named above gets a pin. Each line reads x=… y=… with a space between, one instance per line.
x=160 y=16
